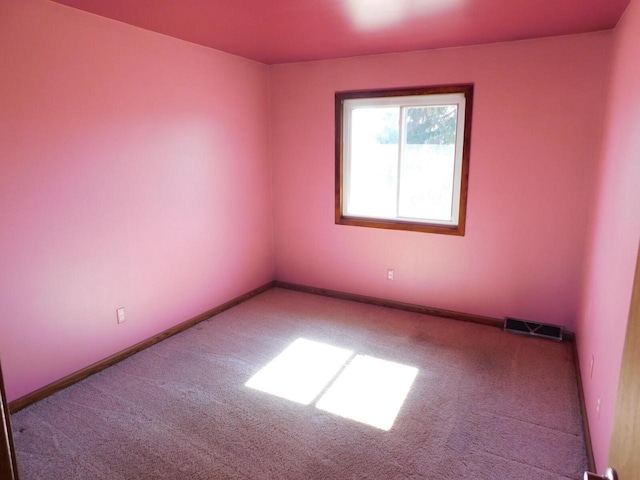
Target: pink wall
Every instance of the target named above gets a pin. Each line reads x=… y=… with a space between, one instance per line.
x=135 y=172
x=537 y=124
x=615 y=233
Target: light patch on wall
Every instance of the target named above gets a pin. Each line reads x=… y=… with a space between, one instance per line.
x=374 y=14
x=368 y=390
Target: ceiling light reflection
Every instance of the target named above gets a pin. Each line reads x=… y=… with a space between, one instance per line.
x=374 y=14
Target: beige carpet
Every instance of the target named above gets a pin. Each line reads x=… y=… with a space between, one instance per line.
x=484 y=404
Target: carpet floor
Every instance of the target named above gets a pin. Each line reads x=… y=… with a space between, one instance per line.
x=484 y=404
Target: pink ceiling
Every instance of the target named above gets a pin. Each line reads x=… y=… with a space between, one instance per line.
x=279 y=31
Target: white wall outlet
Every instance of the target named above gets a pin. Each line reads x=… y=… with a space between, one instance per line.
x=389 y=274
x=120 y=313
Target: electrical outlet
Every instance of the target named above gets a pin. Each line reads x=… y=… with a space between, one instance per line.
x=120 y=313
x=389 y=274
x=591 y=367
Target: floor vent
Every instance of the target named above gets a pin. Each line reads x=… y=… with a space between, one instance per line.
x=524 y=327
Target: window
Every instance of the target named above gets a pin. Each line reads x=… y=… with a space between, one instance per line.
x=402 y=158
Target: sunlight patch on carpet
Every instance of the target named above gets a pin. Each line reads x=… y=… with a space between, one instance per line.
x=358 y=387
x=301 y=371
x=369 y=390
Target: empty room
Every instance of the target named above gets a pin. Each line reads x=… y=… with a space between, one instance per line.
x=338 y=239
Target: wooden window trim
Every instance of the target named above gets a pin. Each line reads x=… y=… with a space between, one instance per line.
x=459 y=230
